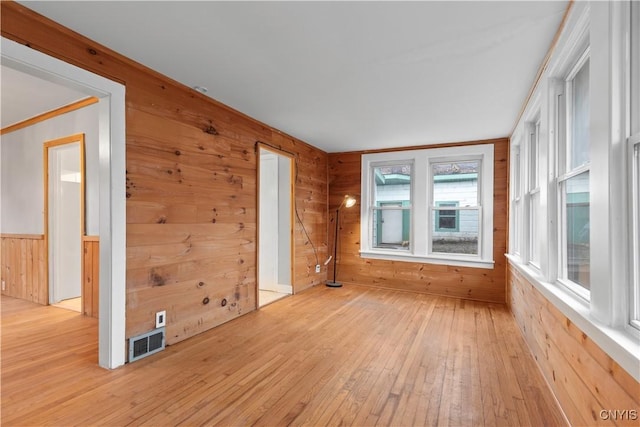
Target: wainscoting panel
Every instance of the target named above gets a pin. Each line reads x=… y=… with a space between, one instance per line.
x=24 y=272
x=584 y=379
x=90 y=275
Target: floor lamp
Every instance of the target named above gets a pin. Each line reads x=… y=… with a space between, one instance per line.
x=347 y=202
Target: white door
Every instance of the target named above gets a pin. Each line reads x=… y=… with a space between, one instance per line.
x=65 y=215
x=268 y=266
x=392 y=226
x=275 y=208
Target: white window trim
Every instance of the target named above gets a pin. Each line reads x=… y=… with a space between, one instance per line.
x=574 y=50
x=515 y=226
x=633 y=149
x=421 y=184
x=605 y=319
x=533 y=187
x=620 y=344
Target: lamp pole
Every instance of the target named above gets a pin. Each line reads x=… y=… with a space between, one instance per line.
x=347 y=202
x=335 y=284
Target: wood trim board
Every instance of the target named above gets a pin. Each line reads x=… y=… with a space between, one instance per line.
x=22 y=236
x=56 y=143
x=50 y=114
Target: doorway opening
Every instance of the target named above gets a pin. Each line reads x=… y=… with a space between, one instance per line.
x=275 y=226
x=111 y=178
x=64 y=177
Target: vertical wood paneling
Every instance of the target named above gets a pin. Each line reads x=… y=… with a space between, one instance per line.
x=23 y=267
x=90 y=275
x=462 y=282
x=584 y=379
x=191 y=190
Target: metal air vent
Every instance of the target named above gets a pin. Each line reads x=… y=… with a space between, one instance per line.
x=146 y=344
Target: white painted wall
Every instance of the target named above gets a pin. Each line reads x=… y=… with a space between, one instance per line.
x=274 y=267
x=284 y=220
x=21 y=160
x=65 y=249
x=268 y=246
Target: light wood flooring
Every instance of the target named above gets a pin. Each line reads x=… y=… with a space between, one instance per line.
x=74 y=304
x=348 y=356
x=267 y=297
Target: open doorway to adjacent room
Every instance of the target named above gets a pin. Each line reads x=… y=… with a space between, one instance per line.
x=86 y=229
x=275 y=238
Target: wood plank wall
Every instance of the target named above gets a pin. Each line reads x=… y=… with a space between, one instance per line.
x=90 y=275
x=462 y=282
x=584 y=379
x=191 y=189
x=23 y=267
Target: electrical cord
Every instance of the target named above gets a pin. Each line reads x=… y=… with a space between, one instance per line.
x=295 y=203
x=295 y=208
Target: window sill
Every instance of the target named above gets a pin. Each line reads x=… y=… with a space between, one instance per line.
x=621 y=344
x=397 y=255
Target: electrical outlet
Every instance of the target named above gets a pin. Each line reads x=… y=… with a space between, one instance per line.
x=4 y=286
x=161 y=318
x=317 y=268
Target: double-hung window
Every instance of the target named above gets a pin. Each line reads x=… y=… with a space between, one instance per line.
x=634 y=155
x=455 y=206
x=391 y=206
x=589 y=178
x=516 y=201
x=431 y=205
x=573 y=180
x=533 y=191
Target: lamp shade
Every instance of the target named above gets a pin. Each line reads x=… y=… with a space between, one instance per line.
x=349 y=201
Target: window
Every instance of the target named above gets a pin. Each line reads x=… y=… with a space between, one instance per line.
x=588 y=167
x=516 y=204
x=431 y=205
x=455 y=207
x=635 y=308
x=533 y=192
x=573 y=180
x=392 y=206
x=447 y=220
x=634 y=150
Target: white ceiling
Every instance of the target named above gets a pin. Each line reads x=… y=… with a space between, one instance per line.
x=25 y=96
x=340 y=75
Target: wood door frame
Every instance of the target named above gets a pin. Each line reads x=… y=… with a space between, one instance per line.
x=292 y=177
x=71 y=139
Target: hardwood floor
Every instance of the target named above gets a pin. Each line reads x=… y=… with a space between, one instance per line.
x=348 y=356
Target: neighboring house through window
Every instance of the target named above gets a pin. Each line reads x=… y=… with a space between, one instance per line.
x=392 y=206
x=430 y=205
x=455 y=207
x=447 y=220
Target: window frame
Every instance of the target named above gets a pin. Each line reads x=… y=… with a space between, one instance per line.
x=633 y=150
x=404 y=207
x=606 y=317
x=634 y=309
x=516 y=219
x=456 y=215
x=564 y=172
x=533 y=190
x=422 y=204
x=379 y=207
